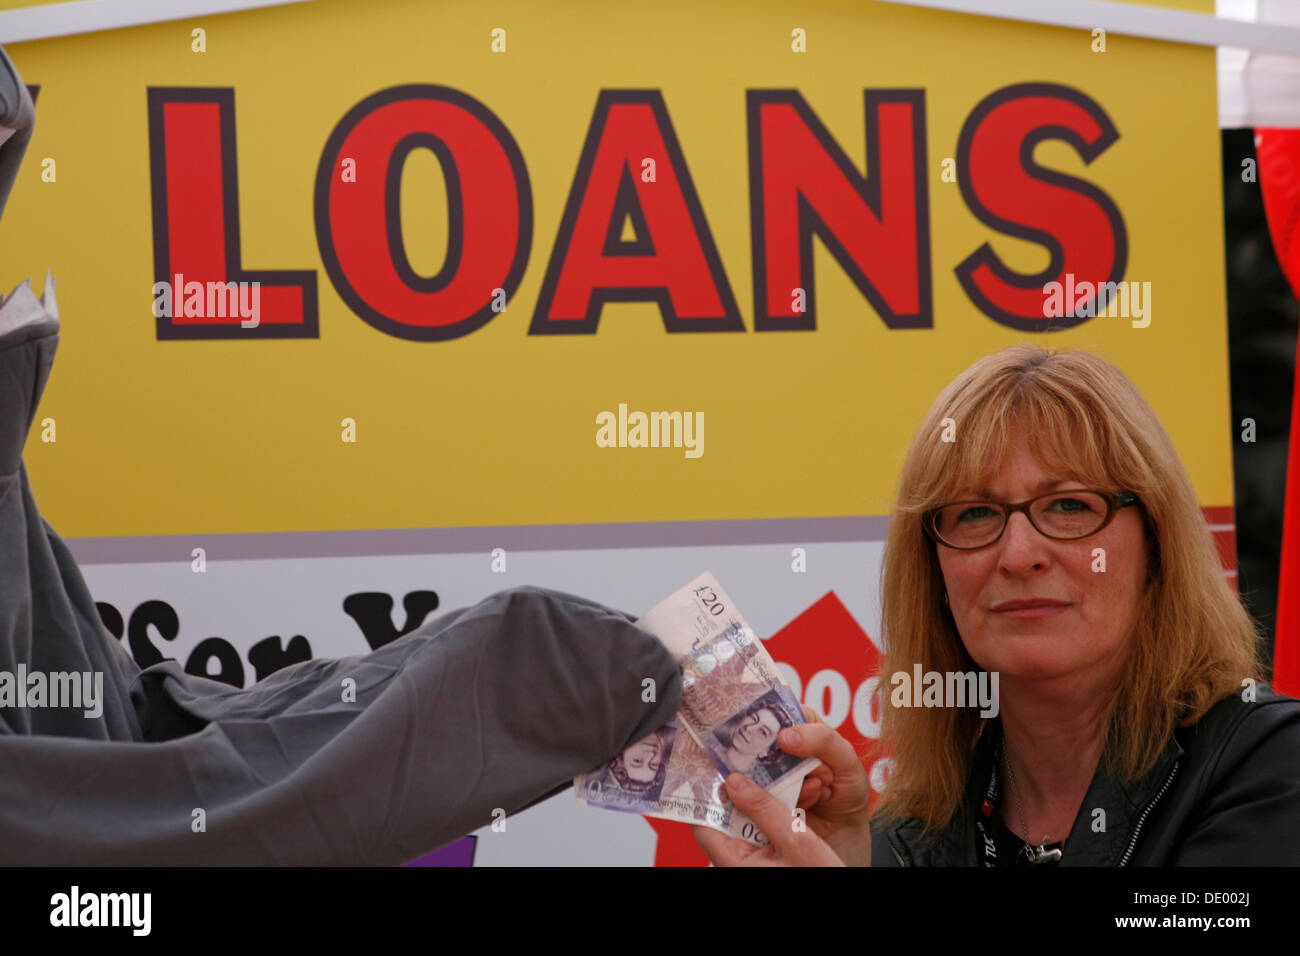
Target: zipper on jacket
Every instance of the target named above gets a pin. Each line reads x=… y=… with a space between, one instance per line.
x=1146 y=812
x=888 y=837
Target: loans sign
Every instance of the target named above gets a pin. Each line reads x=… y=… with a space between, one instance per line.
x=632 y=172
x=335 y=268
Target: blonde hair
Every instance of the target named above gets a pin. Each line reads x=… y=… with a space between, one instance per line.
x=1193 y=642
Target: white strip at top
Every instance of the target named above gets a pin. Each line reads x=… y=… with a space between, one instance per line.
x=1131 y=19
x=90 y=16
x=1158 y=23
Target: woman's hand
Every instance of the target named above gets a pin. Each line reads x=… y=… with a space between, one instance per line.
x=833 y=798
x=790 y=844
x=836 y=792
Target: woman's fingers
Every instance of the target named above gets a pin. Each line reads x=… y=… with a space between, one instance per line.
x=714 y=845
x=817 y=787
x=720 y=848
x=820 y=741
x=787 y=831
x=810 y=793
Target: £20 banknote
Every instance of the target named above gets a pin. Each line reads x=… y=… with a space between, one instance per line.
x=734 y=703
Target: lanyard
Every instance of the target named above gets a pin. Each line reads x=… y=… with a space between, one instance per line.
x=986 y=815
x=988 y=845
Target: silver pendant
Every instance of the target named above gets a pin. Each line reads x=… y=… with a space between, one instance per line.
x=1040 y=854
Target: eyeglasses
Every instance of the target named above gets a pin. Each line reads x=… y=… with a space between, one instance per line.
x=1063 y=515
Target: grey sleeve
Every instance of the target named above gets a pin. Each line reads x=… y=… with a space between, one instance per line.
x=17 y=117
x=374 y=759
x=493 y=706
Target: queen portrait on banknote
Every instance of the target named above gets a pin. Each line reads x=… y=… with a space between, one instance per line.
x=748 y=744
x=1046 y=542
x=635 y=777
x=640 y=768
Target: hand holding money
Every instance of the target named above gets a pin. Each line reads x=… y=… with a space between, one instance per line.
x=734 y=704
x=790 y=845
x=833 y=800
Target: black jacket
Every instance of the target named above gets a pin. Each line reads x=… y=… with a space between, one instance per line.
x=1225 y=792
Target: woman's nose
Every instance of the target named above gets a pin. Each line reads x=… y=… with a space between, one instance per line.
x=1021 y=542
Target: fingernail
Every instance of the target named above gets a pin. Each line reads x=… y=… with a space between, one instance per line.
x=738 y=782
x=791 y=737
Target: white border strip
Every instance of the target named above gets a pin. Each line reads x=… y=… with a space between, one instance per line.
x=89 y=16
x=1155 y=23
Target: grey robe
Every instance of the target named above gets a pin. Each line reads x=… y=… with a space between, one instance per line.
x=497 y=705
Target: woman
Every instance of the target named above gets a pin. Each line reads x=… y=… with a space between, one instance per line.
x=1047 y=531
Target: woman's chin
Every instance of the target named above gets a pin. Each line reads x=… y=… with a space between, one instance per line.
x=1041 y=667
x=1026 y=653
x=1033 y=663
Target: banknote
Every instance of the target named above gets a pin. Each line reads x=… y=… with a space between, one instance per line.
x=736 y=714
x=734 y=703
x=638 y=778
x=669 y=776
x=698 y=613
x=734 y=700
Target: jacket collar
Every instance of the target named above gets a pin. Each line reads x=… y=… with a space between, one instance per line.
x=1102 y=829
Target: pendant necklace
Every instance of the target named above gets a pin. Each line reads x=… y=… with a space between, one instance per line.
x=1035 y=854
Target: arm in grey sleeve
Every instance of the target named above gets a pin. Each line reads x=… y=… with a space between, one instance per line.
x=493 y=706
x=17 y=118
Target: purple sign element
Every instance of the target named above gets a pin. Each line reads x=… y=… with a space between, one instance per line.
x=460 y=853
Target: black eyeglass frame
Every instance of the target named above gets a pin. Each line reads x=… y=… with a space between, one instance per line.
x=1113 y=503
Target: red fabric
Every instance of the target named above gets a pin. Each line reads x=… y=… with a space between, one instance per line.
x=1286 y=646
x=1278 y=151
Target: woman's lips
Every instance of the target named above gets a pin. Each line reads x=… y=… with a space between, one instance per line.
x=1041 y=610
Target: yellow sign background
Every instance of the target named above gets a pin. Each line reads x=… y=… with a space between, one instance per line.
x=498 y=427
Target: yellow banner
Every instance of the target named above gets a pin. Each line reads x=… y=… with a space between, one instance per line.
x=478 y=255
